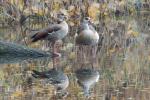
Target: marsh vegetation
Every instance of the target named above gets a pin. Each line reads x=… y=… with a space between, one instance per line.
x=122 y=56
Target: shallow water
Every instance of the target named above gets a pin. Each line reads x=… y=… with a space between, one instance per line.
x=114 y=73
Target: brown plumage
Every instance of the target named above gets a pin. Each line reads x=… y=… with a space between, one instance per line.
x=43 y=34
x=53 y=32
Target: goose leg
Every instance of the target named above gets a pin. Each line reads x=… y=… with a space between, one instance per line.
x=53 y=49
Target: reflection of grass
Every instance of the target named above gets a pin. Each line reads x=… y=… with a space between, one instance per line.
x=133 y=71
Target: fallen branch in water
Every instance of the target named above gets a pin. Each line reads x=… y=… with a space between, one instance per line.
x=11 y=53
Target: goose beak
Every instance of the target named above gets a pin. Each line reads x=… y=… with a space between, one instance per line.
x=91 y=22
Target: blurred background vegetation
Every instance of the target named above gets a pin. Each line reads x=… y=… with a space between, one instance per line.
x=123 y=56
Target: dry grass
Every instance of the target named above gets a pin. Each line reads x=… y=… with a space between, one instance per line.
x=124 y=69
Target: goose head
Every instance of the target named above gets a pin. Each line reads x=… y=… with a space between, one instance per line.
x=61 y=17
x=87 y=20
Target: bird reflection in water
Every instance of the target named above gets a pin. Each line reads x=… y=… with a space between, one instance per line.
x=55 y=77
x=86 y=78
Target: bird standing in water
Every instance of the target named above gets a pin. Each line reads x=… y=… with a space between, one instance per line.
x=87 y=39
x=87 y=35
x=53 y=32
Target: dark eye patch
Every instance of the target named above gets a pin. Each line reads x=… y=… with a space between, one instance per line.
x=86 y=18
x=61 y=14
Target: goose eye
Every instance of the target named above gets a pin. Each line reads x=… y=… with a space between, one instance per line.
x=62 y=14
x=86 y=18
